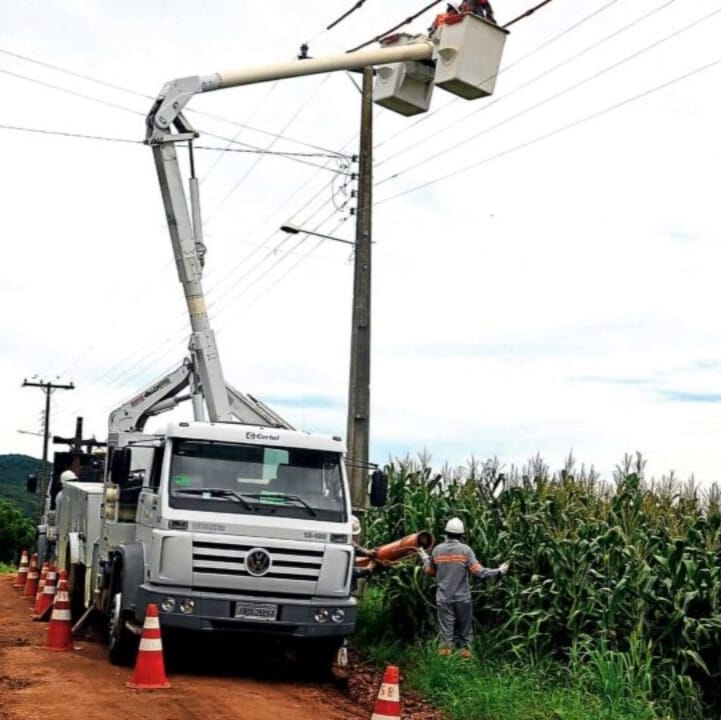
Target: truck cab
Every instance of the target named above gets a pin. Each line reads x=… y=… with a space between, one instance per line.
x=227 y=527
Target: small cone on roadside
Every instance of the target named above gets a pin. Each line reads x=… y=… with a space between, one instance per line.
x=31 y=584
x=45 y=599
x=41 y=584
x=60 y=628
x=22 y=575
x=388 y=703
x=149 y=673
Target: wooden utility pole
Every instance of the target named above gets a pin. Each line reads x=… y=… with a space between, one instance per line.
x=47 y=388
x=360 y=351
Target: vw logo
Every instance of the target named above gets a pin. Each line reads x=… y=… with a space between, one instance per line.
x=257 y=562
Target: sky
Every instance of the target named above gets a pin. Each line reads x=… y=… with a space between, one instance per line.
x=545 y=260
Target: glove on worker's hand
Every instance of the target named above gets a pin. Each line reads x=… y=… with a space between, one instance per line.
x=503 y=568
x=422 y=554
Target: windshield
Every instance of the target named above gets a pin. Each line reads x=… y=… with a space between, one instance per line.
x=290 y=482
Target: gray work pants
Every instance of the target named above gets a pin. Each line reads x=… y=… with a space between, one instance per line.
x=454 y=619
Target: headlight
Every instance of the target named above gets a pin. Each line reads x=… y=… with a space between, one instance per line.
x=187 y=606
x=337 y=615
x=168 y=605
x=321 y=615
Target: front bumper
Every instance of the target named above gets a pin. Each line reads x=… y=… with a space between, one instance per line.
x=216 y=612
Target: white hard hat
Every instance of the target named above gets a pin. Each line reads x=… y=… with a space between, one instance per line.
x=455 y=526
x=355 y=522
x=67 y=476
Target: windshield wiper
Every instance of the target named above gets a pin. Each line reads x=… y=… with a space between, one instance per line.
x=223 y=492
x=293 y=498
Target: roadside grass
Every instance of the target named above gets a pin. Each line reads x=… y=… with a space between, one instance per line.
x=490 y=687
x=483 y=689
x=5 y=568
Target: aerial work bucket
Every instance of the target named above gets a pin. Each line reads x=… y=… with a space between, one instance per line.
x=468 y=56
x=404 y=87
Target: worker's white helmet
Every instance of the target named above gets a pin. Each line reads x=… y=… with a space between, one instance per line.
x=67 y=476
x=455 y=526
x=355 y=522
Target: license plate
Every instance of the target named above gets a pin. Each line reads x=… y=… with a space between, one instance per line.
x=262 y=612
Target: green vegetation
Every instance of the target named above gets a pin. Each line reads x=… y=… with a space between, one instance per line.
x=612 y=608
x=14 y=470
x=16 y=532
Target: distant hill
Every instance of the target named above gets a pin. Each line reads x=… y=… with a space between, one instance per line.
x=14 y=470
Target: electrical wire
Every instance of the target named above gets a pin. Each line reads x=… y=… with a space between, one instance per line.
x=556 y=131
x=395 y=27
x=120 y=88
x=556 y=95
x=453 y=101
x=129 y=141
x=357 y=6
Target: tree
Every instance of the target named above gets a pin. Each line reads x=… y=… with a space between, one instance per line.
x=17 y=532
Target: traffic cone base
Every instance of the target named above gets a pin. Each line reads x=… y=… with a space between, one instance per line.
x=388 y=703
x=149 y=673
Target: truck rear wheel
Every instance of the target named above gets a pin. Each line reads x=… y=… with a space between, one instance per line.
x=122 y=644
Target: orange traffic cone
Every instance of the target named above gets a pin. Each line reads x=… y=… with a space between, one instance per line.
x=44 y=600
x=31 y=584
x=388 y=703
x=41 y=585
x=149 y=673
x=22 y=575
x=60 y=629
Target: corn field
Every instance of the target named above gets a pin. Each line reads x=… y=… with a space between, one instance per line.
x=619 y=579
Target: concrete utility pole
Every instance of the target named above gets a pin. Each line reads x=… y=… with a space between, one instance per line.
x=360 y=350
x=47 y=388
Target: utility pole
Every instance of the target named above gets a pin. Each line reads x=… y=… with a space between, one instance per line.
x=360 y=350
x=47 y=388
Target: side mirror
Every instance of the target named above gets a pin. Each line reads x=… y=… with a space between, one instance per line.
x=120 y=466
x=32 y=484
x=379 y=488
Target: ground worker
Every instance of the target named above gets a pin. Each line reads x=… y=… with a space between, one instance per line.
x=450 y=563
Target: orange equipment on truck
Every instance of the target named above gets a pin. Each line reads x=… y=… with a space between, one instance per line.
x=390 y=553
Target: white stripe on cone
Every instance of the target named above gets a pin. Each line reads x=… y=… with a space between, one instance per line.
x=151 y=623
x=59 y=614
x=151 y=644
x=389 y=692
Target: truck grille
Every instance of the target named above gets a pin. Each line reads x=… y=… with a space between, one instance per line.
x=292 y=569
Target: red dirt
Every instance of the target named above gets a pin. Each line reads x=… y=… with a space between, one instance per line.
x=37 y=684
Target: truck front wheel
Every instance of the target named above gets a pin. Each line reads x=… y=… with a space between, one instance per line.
x=122 y=644
x=315 y=657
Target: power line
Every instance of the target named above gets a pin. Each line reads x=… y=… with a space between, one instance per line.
x=120 y=88
x=540 y=76
x=560 y=93
x=335 y=22
x=427 y=116
x=557 y=131
x=395 y=27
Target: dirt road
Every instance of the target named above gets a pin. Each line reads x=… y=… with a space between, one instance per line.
x=37 y=684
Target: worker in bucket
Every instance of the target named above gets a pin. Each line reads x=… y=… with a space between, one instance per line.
x=482 y=8
x=450 y=563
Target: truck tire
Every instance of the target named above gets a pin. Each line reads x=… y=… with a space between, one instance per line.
x=76 y=589
x=122 y=644
x=315 y=657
